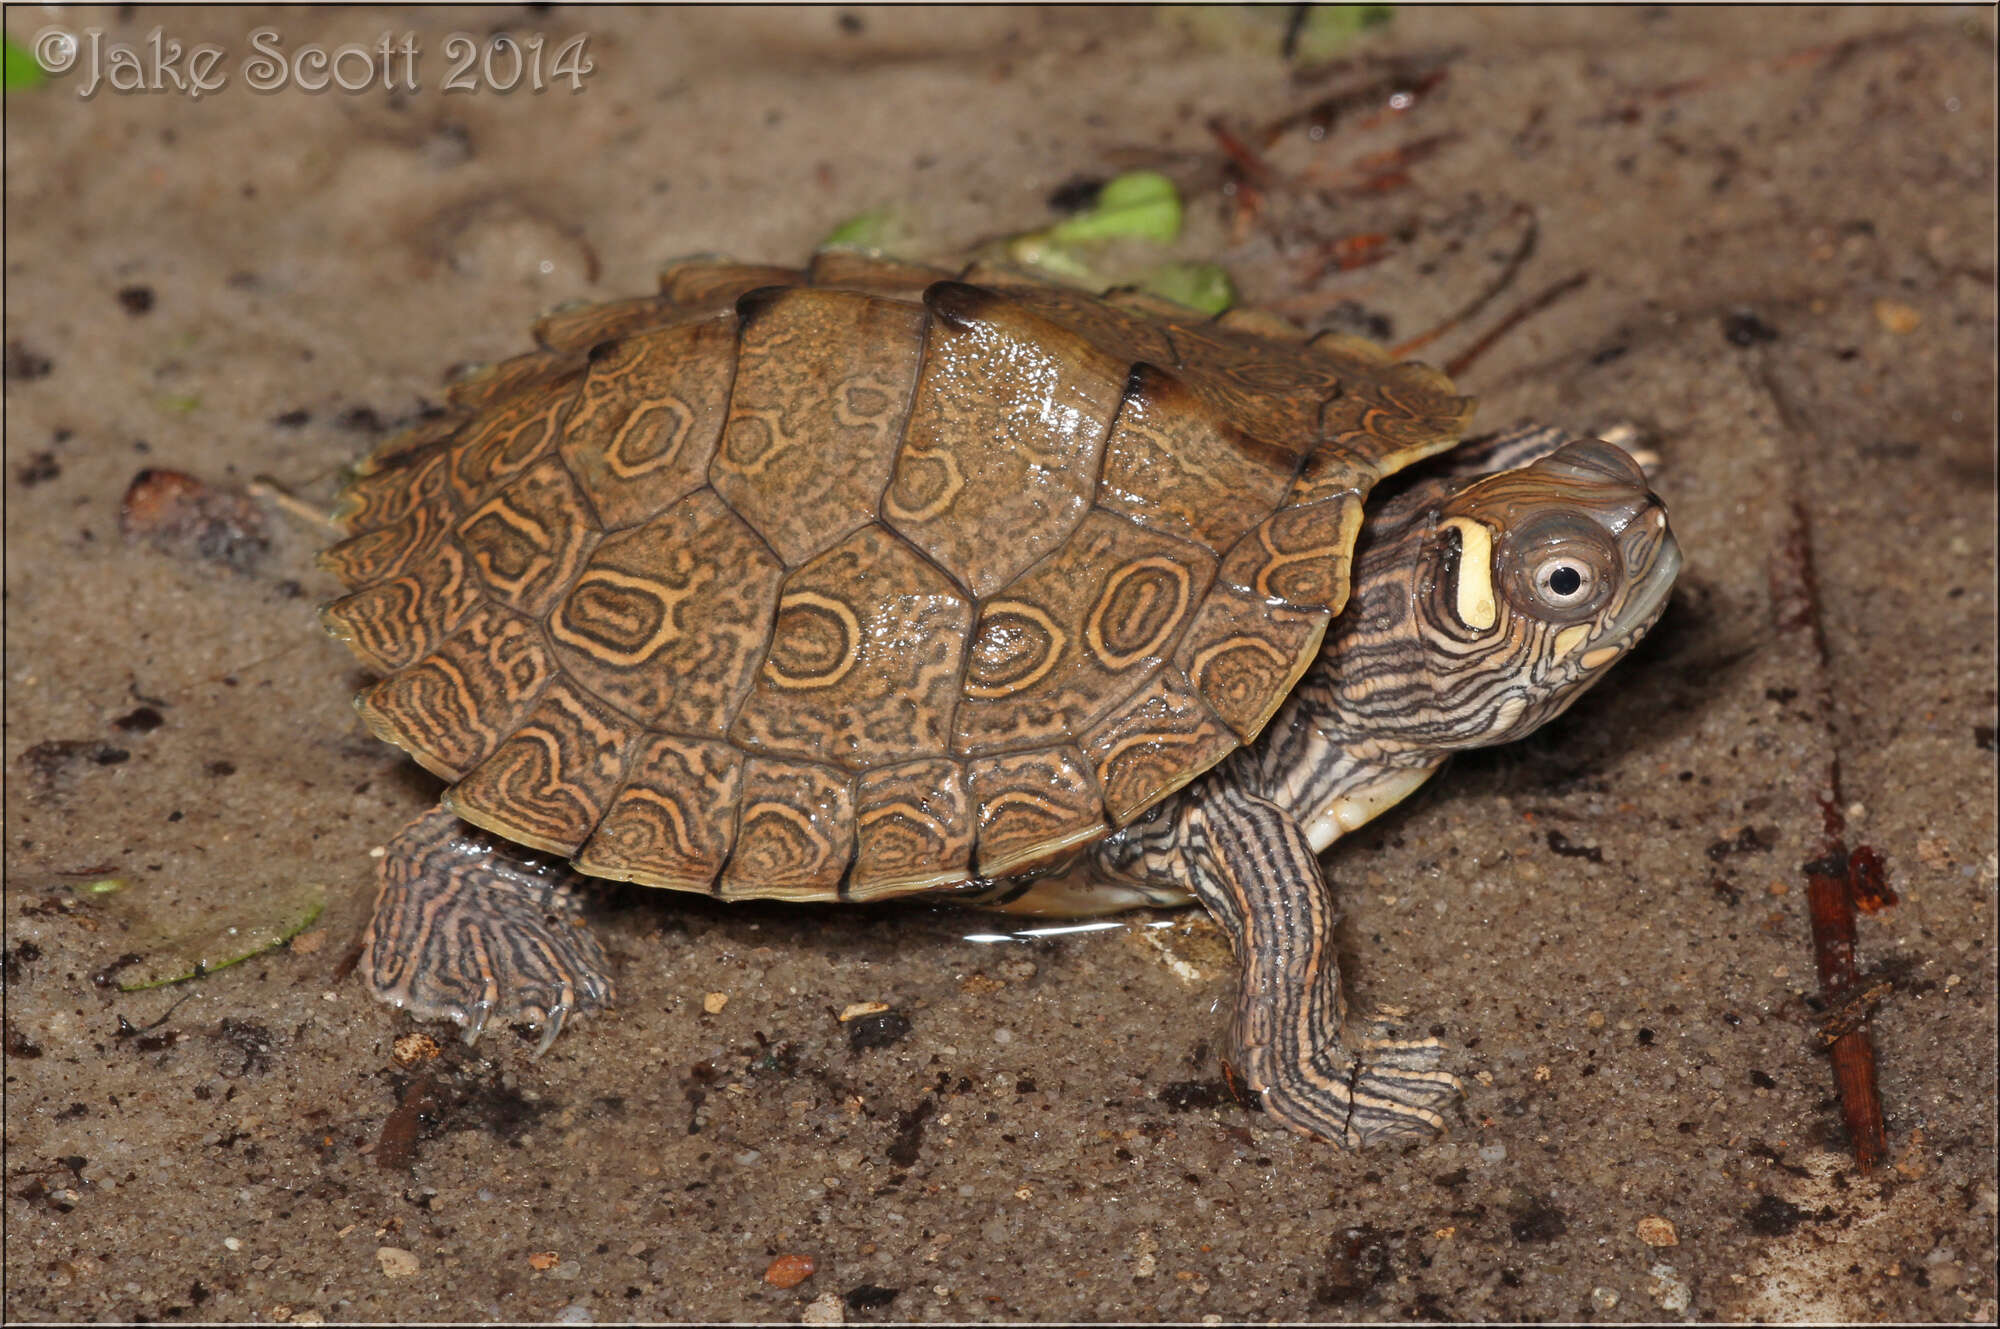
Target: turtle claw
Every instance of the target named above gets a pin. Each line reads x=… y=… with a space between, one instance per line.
x=475 y=1020
x=552 y=1026
x=472 y=929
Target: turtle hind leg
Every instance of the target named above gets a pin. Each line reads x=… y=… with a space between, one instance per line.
x=471 y=928
x=1254 y=868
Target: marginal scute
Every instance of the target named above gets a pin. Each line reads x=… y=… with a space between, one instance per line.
x=457 y=704
x=585 y=326
x=1331 y=473
x=1361 y=351
x=1162 y=737
x=376 y=555
x=551 y=780
x=667 y=621
x=1396 y=416
x=862 y=270
x=864 y=658
x=529 y=540
x=426 y=433
x=1299 y=557
x=1077 y=634
x=1243 y=654
x=389 y=493
x=706 y=282
x=673 y=822
x=1000 y=454
x=1156 y=308
x=1173 y=465
x=509 y=438
x=794 y=832
x=482 y=387
x=392 y=622
x=823 y=383
x=1032 y=807
x=913 y=829
x=648 y=419
x=1260 y=323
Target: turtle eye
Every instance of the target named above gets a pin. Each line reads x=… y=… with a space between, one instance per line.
x=1564 y=583
x=1560 y=567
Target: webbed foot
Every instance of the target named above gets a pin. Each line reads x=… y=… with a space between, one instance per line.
x=471 y=928
x=1399 y=1089
x=1378 y=1088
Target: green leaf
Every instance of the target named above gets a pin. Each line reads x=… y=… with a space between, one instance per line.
x=23 y=71
x=1037 y=252
x=1142 y=204
x=1203 y=286
x=1329 y=27
x=212 y=945
x=870 y=230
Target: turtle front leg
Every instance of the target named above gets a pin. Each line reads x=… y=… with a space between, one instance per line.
x=473 y=929
x=1254 y=868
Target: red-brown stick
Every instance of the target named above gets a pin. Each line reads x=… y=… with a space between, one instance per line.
x=1829 y=885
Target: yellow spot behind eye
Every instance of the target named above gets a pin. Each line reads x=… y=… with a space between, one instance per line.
x=1603 y=655
x=1475 y=573
x=1569 y=639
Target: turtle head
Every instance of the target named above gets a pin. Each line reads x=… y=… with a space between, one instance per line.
x=1507 y=596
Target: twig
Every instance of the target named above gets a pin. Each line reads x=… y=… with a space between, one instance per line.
x=1461 y=362
x=1246 y=175
x=1522 y=253
x=1832 y=877
x=306 y=514
x=1247 y=160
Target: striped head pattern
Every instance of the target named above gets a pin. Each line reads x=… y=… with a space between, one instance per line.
x=1483 y=608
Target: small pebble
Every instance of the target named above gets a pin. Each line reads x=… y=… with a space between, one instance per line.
x=854 y=1010
x=575 y=1313
x=1669 y=1290
x=396 y=1262
x=714 y=1002
x=1493 y=1153
x=410 y=1049
x=825 y=1309
x=231 y=1244
x=1657 y=1231
x=789 y=1270
x=1603 y=1298
x=543 y=1260
x=1003 y=1036
x=1896 y=317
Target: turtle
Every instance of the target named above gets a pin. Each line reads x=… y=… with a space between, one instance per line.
x=871 y=579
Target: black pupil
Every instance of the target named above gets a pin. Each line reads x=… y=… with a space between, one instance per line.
x=1565 y=580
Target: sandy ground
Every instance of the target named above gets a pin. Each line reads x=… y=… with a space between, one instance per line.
x=1766 y=237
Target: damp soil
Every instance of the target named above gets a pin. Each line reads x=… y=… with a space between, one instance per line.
x=1765 y=237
